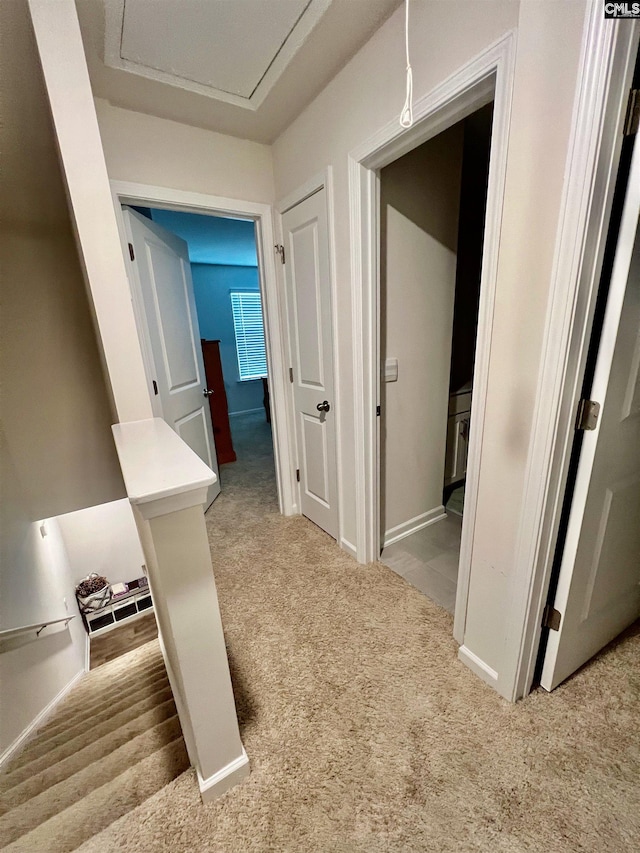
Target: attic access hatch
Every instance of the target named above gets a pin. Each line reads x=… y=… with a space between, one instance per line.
x=233 y=52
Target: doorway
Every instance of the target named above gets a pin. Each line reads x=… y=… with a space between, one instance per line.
x=223 y=262
x=432 y=215
x=594 y=593
x=167 y=203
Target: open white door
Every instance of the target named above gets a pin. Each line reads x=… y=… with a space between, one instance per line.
x=598 y=592
x=163 y=277
x=309 y=301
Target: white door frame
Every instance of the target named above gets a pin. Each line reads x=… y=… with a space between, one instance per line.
x=322 y=180
x=609 y=49
x=486 y=78
x=125 y=192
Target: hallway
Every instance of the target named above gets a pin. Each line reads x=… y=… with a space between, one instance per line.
x=364 y=732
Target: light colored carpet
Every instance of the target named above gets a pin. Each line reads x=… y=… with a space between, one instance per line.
x=363 y=730
x=111 y=744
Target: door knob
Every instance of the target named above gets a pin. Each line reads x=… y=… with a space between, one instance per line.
x=323 y=407
x=207 y=392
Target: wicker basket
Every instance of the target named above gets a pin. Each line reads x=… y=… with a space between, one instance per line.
x=96 y=600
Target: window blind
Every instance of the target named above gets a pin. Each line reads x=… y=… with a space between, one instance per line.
x=249 y=329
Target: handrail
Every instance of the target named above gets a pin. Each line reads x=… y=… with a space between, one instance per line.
x=38 y=627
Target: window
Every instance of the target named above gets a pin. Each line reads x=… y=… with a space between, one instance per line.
x=247 y=323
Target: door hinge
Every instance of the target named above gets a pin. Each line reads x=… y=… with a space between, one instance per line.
x=632 y=120
x=132 y=254
x=280 y=250
x=291 y=374
x=551 y=618
x=298 y=475
x=377 y=411
x=587 y=417
x=155 y=387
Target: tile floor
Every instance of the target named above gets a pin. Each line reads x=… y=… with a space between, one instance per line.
x=428 y=559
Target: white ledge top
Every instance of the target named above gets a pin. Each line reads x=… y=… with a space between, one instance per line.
x=156 y=463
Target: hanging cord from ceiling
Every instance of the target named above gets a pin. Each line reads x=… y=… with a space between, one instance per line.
x=406 y=116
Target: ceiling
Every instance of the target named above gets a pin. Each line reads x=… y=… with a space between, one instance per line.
x=242 y=67
x=212 y=239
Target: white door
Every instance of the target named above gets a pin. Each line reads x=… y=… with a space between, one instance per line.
x=598 y=593
x=171 y=335
x=306 y=243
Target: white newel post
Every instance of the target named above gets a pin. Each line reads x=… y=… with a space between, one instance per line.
x=167 y=486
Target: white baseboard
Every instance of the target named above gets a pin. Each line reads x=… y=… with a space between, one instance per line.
x=46 y=712
x=246 y=412
x=400 y=531
x=349 y=548
x=478 y=666
x=220 y=782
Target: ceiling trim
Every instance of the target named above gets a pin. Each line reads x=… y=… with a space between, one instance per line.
x=114 y=16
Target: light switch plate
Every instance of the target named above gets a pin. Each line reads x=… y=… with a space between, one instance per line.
x=391 y=370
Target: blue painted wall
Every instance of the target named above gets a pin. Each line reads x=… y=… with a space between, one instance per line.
x=211 y=285
x=212 y=239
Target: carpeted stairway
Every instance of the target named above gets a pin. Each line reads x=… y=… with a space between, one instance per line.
x=110 y=745
x=364 y=732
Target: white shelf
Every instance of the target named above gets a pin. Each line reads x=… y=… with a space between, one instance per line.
x=118 y=613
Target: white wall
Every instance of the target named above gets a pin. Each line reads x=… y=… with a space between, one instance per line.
x=66 y=78
x=56 y=448
x=103 y=539
x=137 y=148
x=549 y=42
x=35 y=582
x=54 y=402
x=363 y=97
x=367 y=94
x=419 y=202
x=151 y=150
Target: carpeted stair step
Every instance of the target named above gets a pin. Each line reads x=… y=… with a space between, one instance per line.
x=149 y=656
x=95 y=702
x=100 y=697
x=111 y=685
x=28 y=815
x=68 y=720
x=44 y=742
x=60 y=769
x=106 y=685
x=64 y=747
x=93 y=813
x=111 y=680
